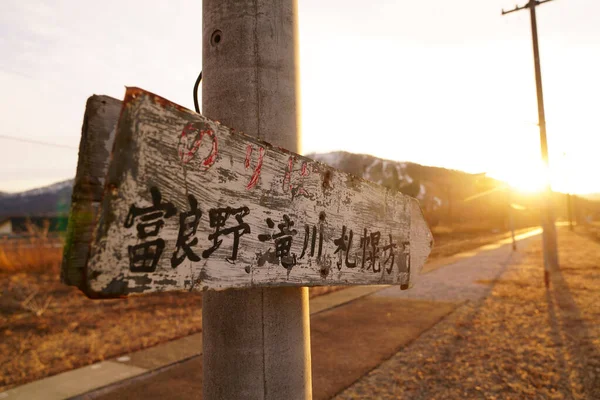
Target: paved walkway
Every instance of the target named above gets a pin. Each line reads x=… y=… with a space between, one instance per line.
x=352 y=332
x=460 y=280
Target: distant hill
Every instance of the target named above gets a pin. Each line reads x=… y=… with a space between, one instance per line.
x=447 y=197
x=592 y=196
x=52 y=200
x=439 y=190
x=450 y=197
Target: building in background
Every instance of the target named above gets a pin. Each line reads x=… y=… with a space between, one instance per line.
x=33 y=225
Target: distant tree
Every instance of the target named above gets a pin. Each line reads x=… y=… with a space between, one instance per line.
x=392 y=178
x=411 y=189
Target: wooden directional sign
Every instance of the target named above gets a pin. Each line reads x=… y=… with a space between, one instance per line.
x=189 y=204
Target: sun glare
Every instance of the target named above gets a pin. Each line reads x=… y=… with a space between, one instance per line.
x=527 y=180
x=527 y=184
x=532 y=179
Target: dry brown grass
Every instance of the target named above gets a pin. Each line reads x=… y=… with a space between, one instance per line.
x=47 y=327
x=590 y=230
x=37 y=252
x=31 y=255
x=74 y=331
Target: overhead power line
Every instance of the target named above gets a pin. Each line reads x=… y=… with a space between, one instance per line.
x=24 y=140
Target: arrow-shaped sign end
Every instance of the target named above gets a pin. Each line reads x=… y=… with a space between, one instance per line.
x=421 y=240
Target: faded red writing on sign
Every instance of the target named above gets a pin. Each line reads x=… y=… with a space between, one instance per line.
x=257 y=168
x=191 y=139
x=294 y=179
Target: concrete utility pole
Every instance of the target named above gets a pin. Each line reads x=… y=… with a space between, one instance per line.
x=512 y=229
x=549 y=234
x=256 y=342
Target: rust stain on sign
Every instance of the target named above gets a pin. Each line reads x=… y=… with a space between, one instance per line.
x=190 y=204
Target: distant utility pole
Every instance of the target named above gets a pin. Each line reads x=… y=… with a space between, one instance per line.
x=570 y=209
x=549 y=235
x=511 y=218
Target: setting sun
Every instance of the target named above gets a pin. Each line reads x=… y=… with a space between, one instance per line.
x=523 y=171
x=529 y=175
x=531 y=181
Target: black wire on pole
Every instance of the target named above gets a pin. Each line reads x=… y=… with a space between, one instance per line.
x=196 y=106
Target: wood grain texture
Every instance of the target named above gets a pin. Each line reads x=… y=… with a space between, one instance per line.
x=97 y=136
x=286 y=212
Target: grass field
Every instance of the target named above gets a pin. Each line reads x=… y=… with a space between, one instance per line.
x=591 y=230
x=47 y=327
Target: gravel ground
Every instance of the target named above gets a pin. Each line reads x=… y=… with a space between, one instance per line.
x=513 y=340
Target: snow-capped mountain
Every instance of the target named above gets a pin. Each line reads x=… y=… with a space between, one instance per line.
x=49 y=200
x=44 y=190
x=393 y=174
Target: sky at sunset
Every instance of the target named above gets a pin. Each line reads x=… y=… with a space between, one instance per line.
x=443 y=83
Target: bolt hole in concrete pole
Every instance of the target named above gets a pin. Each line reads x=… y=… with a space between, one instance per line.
x=256 y=342
x=215 y=38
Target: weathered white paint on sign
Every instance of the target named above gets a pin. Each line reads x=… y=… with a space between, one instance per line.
x=192 y=205
x=97 y=136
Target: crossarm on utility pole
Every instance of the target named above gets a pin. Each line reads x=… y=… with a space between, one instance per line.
x=519 y=8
